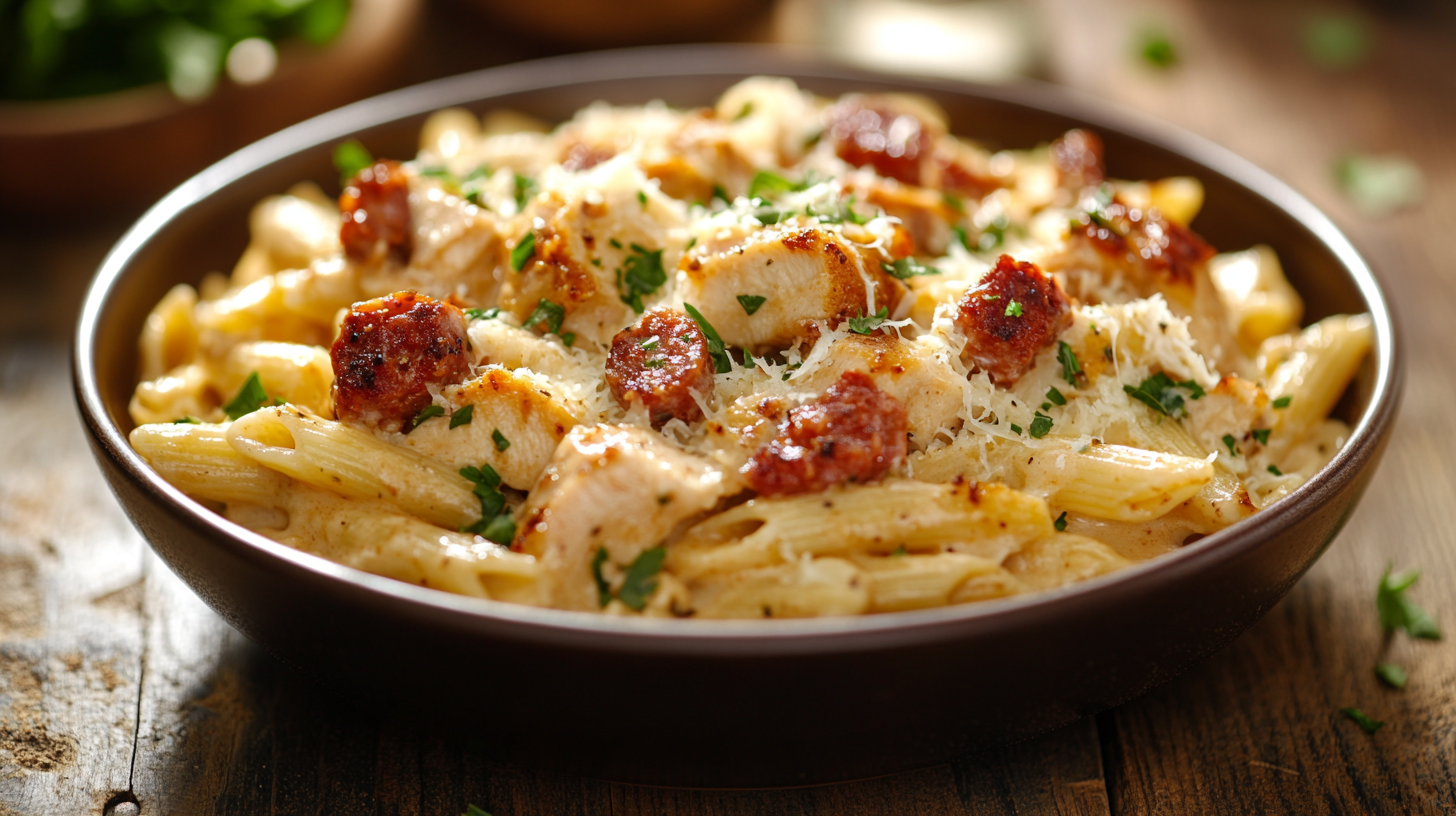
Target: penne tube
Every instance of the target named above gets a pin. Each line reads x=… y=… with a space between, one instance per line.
x=918 y=581
x=1062 y=559
x=1114 y=481
x=198 y=460
x=169 y=337
x=335 y=457
x=803 y=589
x=1321 y=363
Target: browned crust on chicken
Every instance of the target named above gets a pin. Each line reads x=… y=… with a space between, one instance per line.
x=853 y=432
x=388 y=350
x=376 y=213
x=1145 y=243
x=1009 y=317
x=660 y=363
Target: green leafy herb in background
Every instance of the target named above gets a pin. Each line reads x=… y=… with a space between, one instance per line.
x=1379 y=185
x=1392 y=675
x=1398 y=611
x=1156 y=48
x=1335 y=41
x=349 y=158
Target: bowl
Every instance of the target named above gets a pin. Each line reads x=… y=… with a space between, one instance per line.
x=734 y=703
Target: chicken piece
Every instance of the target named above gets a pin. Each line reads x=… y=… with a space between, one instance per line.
x=803 y=273
x=456 y=249
x=376 y=213
x=387 y=353
x=1009 y=317
x=662 y=362
x=611 y=487
x=929 y=389
x=853 y=432
x=515 y=424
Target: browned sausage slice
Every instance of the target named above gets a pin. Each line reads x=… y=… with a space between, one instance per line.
x=660 y=363
x=1078 y=159
x=853 y=432
x=389 y=349
x=376 y=213
x=893 y=142
x=1009 y=317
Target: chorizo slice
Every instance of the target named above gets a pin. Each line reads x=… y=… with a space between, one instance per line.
x=853 y=432
x=376 y=213
x=660 y=363
x=1009 y=317
x=1077 y=155
x=1145 y=243
x=875 y=132
x=388 y=351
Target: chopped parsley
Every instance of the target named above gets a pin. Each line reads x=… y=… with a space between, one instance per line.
x=482 y=314
x=692 y=242
x=440 y=173
x=1366 y=724
x=744 y=112
x=641 y=578
x=641 y=274
x=721 y=194
x=1156 y=49
x=1160 y=393
x=473 y=183
x=1392 y=675
x=767 y=181
x=1228 y=441
x=1398 y=611
x=650 y=343
x=960 y=234
x=1261 y=435
x=1061 y=522
x=908 y=268
x=750 y=303
x=604 y=590
x=994 y=235
x=1013 y=309
x=250 y=398
x=1282 y=402
x=1274 y=469
x=568 y=338
x=1068 y=358
x=349 y=158
x=1041 y=425
x=1055 y=397
x=722 y=363
x=642 y=199
x=547 y=312
x=429 y=412
x=1016 y=429
x=525 y=188
x=899 y=551
x=790 y=369
x=654 y=362
x=462 y=416
x=495 y=518
x=187 y=420
x=525 y=248
x=501 y=443
x=865 y=325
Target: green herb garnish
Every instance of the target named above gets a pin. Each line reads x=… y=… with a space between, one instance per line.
x=482 y=314
x=187 y=420
x=650 y=344
x=462 y=416
x=1261 y=435
x=1055 y=397
x=1274 y=469
x=1013 y=309
x=722 y=363
x=642 y=199
x=501 y=443
x=1366 y=724
x=906 y=268
x=1392 y=675
x=428 y=412
x=767 y=181
x=604 y=590
x=865 y=325
x=525 y=188
x=750 y=303
x=654 y=362
x=1070 y=366
x=1061 y=523
x=641 y=274
x=1160 y=393
x=547 y=312
x=349 y=158
x=641 y=578
x=568 y=339
x=1282 y=402
x=1016 y=429
x=1397 y=611
x=1228 y=441
x=1041 y=425
x=525 y=249
x=495 y=518
x=1156 y=49
x=250 y=398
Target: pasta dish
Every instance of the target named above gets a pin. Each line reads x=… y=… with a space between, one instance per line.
x=786 y=356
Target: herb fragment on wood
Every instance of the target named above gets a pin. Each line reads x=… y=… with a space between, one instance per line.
x=1398 y=611
x=1368 y=725
x=1392 y=675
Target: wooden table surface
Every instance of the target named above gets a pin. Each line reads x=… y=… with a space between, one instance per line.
x=120 y=692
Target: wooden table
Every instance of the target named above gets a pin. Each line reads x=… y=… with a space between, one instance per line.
x=120 y=692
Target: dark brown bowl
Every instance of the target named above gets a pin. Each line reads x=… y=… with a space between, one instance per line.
x=747 y=703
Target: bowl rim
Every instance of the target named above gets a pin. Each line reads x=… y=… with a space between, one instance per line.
x=748 y=637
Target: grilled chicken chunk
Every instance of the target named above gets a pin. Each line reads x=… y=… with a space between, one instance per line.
x=612 y=487
x=387 y=353
x=803 y=273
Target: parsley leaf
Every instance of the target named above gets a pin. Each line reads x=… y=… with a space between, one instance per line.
x=550 y=313
x=1061 y=523
x=525 y=249
x=1274 y=469
x=495 y=518
x=501 y=443
x=250 y=398
x=993 y=235
x=641 y=578
x=568 y=338
x=1282 y=402
x=960 y=235
x=525 y=188
x=187 y=420
x=1156 y=49
x=1016 y=429
x=865 y=325
x=1160 y=393
x=1041 y=425
x=1055 y=397
x=1261 y=435
x=721 y=361
x=1392 y=675
x=604 y=590
x=1068 y=358
x=641 y=274
x=1366 y=724
x=1013 y=309
x=642 y=199
x=767 y=181
x=482 y=314
x=908 y=268
x=654 y=362
x=349 y=158
x=462 y=416
x=650 y=344
x=744 y=112
x=1398 y=611
x=428 y=412
x=1228 y=441
x=750 y=303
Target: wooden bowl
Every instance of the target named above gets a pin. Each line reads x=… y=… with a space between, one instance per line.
x=731 y=703
x=129 y=147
